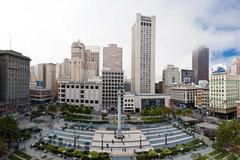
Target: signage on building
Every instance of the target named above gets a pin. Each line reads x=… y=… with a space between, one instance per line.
x=219 y=68
x=39 y=83
x=186 y=79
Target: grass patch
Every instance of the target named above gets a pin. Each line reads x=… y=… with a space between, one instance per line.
x=12 y=157
x=23 y=155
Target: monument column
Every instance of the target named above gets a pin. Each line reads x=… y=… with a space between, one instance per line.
x=119 y=130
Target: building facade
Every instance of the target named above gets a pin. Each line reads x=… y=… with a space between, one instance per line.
x=135 y=103
x=112 y=57
x=63 y=70
x=200 y=63
x=143 y=55
x=47 y=74
x=159 y=87
x=40 y=96
x=183 y=96
x=82 y=94
x=112 y=81
x=14 y=82
x=202 y=98
x=170 y=77
x=224 y=92
x=187 y=76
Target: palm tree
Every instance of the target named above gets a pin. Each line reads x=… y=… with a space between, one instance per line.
x=2 y=147
x=9 y=130
x=187 y=112
x=178 y=113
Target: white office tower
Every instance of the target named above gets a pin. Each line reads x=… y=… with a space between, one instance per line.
x=143 y=55
x=84 y=63
x=170 y=76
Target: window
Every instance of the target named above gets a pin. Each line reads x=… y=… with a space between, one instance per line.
x=96 y=87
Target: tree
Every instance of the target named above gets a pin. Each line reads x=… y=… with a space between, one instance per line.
x=187 y=112
x=52 y=109
x=9 y=130
x=228 y=134
x=2 y=147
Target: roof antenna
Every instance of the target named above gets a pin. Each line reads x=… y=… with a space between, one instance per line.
x=10 y=42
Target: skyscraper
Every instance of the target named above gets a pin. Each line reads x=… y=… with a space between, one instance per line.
x=112 y=76
x=200 y=63
x=47 y=74
x=143 y=55
x=84 y=62
x=14 y=81
x=235 y=67
x=170 y=76
x=112 y=57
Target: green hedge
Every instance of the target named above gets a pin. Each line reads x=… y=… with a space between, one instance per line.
x=69 y=152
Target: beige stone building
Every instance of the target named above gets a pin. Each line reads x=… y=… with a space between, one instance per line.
x=171 y=77
x=112 y=57
x=84 y=63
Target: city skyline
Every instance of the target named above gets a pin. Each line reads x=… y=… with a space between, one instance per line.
x=47 y=36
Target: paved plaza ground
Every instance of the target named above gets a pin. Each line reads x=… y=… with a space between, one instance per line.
x=102 y=139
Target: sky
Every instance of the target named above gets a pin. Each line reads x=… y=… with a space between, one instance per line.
x=45 y=29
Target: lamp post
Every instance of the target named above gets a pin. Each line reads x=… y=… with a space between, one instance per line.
x=140 y=137
x=75 y=139
x=165 y=138
x=102 y=141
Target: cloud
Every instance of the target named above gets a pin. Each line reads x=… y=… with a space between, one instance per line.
x=44 y=30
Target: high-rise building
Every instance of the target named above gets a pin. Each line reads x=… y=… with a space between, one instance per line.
x=93 y=60
x=170 y=76
x=187 y=76
x=84 y=63
x=224 y=91
x=112 y=57
x=143 y=55
x=112 y=82
x=200 y=63
x=14 y=82
x=63 y=70
x=235 y=67
x=47 y=74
